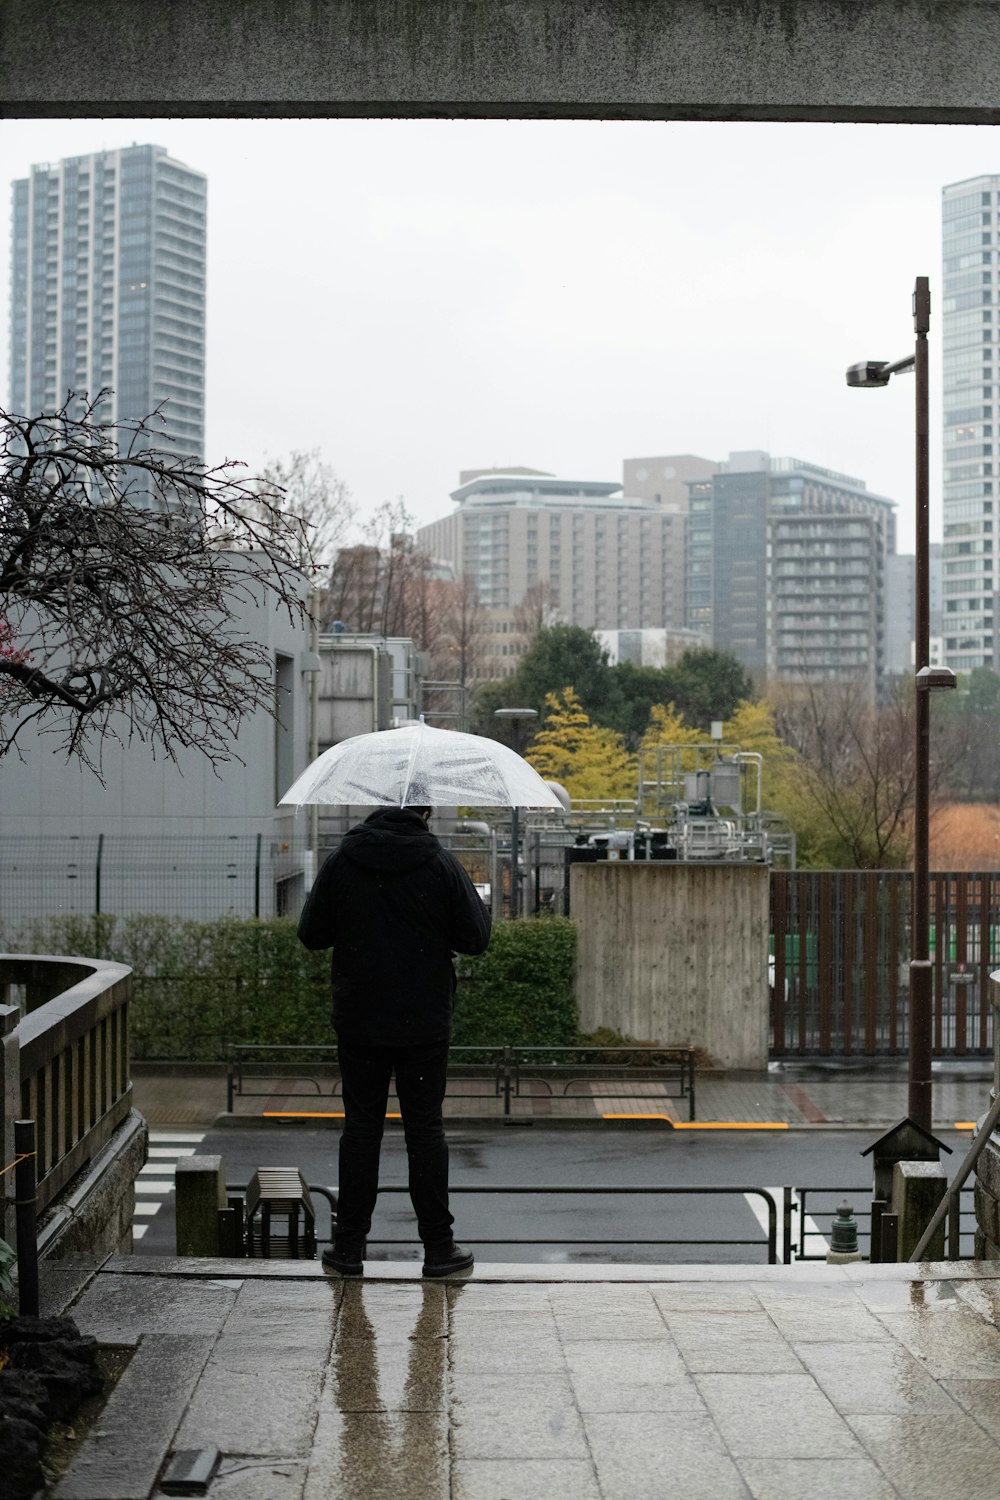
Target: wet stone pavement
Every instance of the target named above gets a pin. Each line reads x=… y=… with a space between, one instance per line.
x=596 y=1383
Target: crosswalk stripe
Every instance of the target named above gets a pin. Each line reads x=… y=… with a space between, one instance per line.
x=758 y=1208
x=156 y=1180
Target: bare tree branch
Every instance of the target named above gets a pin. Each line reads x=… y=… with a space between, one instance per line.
x=856 y=767
x=124 y=571
x=307 y=488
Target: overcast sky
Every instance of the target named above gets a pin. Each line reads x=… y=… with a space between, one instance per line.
x=417 y=297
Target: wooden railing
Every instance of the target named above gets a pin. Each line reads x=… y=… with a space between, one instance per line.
x=65 y=1059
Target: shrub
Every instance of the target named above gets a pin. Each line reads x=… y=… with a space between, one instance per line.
x=520 y=991
x=202 y=986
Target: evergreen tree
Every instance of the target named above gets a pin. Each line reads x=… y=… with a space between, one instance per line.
x=563 y=656
x=708 y=685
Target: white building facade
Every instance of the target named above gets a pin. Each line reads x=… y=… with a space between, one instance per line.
x=970 y=310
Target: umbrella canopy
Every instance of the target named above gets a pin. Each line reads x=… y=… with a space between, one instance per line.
x=417 y=766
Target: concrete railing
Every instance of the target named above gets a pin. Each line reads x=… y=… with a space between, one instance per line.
x=64 y=1039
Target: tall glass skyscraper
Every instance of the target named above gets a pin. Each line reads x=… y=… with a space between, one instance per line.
x=108 y=290
x=971 y=240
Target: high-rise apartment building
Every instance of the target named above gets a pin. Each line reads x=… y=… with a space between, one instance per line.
x=971 y=339
x=108 y=290
x=786 y=569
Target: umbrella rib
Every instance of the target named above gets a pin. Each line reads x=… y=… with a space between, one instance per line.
x=408 y=776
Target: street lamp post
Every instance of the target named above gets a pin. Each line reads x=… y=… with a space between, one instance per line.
x=517 y=718
x=869 y=374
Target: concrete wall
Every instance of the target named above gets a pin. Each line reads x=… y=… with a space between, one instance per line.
x=95 y=1216
x=155 y=834
x=355 y=688
x=142 y=792
x=627 y=59
x=675 y=953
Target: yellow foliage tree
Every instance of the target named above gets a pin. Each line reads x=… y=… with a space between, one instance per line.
x=589 y=761
x=668 y=727
x=786 y=787
x=752 y=727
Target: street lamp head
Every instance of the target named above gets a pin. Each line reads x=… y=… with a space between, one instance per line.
x=930 y=679
x=871 y=372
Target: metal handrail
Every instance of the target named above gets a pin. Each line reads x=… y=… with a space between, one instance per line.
x=506 y=1063
x=797 y=1242
x=771 y=1242
x=950 y=1203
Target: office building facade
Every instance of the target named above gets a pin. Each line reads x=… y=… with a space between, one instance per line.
x=592 y=555
x=786 y=569
x=108 y=290
x=969 y=312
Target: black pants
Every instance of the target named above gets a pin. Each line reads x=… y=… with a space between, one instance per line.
x=421 y=1074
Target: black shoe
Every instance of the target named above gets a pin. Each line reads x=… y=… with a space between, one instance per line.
x=345 y=1256
x=447 y=1259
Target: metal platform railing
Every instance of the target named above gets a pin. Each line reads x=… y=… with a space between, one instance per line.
x=507 y=1066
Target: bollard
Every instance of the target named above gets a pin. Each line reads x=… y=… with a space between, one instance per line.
x=917 y=1189
x=199 y=1195
x=844 y=1239
x=879 y=1207
x=25 y=1199
x=889 y=1250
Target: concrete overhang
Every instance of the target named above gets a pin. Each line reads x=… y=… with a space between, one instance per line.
x=883 y=61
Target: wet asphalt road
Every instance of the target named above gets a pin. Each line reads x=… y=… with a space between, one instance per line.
x=567 y=1227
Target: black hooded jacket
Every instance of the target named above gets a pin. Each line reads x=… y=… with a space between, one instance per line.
x=393 y=905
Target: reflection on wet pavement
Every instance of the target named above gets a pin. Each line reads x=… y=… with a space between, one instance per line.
x=382 y=1422
x=791 y=1381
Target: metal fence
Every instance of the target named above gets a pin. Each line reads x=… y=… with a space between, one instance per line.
x=240 y=875
x=202 y=877
x=197 y=877
x=556 y=1070
x=841 y=947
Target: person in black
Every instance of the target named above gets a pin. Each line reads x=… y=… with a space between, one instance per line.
x=394 y=905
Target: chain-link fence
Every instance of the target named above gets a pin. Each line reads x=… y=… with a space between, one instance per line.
x=201 y=878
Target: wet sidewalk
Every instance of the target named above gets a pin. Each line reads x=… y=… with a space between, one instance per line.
x=596 y=1383
x=791 y=1097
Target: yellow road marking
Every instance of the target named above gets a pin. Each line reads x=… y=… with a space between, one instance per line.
x=310 y=1114
x=707 y=1124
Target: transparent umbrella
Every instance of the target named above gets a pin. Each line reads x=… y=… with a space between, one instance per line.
x=417 y=766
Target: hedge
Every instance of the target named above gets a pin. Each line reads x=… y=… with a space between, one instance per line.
x=202 y=986
x=520 y=991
